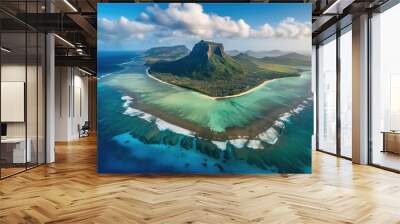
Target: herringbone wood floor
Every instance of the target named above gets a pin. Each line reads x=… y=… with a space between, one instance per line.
x=70 y=191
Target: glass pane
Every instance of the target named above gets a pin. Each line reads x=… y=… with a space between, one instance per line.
x=41 y=99
x=23 y=87
x=31 y=100
x=31 y=88
x=13 y=86
x=314 y=82
x=327 y=96
x=346 y=94
x=385 y=93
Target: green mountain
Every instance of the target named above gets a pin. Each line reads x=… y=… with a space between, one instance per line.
x=232 y=52
x=209 y=70
x=207 y=60
x=261 y=54
x=165 y=53
x=247 y=61
x=293 y=59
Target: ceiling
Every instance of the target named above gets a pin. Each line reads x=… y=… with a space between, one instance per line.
x=75 y=22
x=332 y=15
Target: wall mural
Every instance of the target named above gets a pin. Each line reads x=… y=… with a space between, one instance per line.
x=204 y=88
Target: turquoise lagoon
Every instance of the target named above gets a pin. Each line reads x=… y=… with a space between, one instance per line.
x=146 y=126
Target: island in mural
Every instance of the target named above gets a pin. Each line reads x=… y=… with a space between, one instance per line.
x=226 y=93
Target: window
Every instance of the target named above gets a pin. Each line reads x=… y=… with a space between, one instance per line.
x=385 y=89
x=335 y=94
x=346 y=92
x=327 y=95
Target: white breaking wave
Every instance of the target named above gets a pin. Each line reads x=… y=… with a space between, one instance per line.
x=285 y=117
x=280 y=124
x=220 y=144
x=135 y=112
x=255 y=144
x=298 y=109
x=238 y=143
x=161 y=124
x=270 y=135
x=138 y=113
x=126 y=98
x=104 y=76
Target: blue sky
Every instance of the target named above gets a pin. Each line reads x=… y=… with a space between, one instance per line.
x=250 y=26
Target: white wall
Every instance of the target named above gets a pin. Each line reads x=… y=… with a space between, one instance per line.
x=62 y=82
x=13 y=100
x=71 y=102
x=80 y=111
x=17 y=73
x=12 y=73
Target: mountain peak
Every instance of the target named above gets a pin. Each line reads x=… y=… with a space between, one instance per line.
x=208 y=48
x=241 y=54
x=207 y=60
x=293 y=55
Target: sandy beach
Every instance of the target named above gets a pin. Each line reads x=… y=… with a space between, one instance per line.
x=216 y=97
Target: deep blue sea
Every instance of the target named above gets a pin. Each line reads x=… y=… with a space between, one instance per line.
x=109 y=61
x=133 y=141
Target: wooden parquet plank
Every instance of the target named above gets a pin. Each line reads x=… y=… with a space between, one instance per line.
x=70 y=191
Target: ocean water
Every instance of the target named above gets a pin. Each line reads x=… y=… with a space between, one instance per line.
x=132 y=140
x=111 y=61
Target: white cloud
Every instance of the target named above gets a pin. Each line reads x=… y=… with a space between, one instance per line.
x=291 y=28
x=191 y=21
x=124 y=28
x=288 y=28
x=265 y=31
x=143 y=16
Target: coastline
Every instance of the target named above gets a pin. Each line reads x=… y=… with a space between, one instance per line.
x=159 y=80
x=216 y=97
x=253 y=129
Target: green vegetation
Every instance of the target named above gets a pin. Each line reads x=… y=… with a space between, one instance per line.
x=165 y=53
x=209 y=70
x=292 y=59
